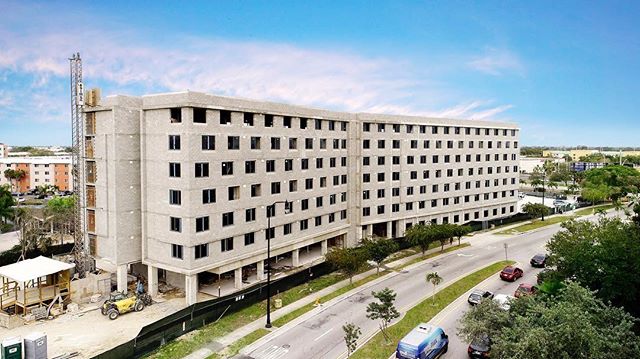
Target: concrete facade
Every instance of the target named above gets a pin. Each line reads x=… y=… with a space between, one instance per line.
x=184 y=182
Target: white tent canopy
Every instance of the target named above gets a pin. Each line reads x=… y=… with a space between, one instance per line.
x=29 y=269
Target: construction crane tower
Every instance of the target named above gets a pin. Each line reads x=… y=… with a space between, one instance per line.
x=78 y=165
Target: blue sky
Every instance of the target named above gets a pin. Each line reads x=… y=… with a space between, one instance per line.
x=566 y=72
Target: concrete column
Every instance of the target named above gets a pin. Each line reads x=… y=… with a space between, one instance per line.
x=152 y=280
x=295 y=257
x=401 y=227
x=121 y=278
x=359 y=233
x=370 y=231
x=390 y=229
x=191 y=288
x=260 y=270
x=237 y=277
x=324 y=247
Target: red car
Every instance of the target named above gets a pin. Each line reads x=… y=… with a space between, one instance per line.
x=525 y=289
x=511 y=273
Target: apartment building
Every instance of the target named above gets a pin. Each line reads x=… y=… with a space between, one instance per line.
x=4 y=150
x=185 y=185
x=38 y=171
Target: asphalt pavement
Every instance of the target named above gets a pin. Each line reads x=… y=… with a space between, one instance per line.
x=319 y=333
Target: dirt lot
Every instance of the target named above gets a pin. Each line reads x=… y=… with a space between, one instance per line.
x=89 y=332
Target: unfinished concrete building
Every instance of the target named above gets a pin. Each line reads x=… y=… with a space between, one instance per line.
x=185 y=183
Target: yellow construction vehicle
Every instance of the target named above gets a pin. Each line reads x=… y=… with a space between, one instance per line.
x=119 y=303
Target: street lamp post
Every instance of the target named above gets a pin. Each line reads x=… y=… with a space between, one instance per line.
x=286 y=209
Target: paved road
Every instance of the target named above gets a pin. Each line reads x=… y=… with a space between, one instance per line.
x=320 y=335
x=448 y=318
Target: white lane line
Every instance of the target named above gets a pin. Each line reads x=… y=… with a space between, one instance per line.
x=323 y=334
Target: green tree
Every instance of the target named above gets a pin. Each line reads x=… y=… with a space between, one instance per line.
x=573 y=324
x=445 y=234
x=60 y=214
x=603 y=256
x=378 y=249
x=33 y=231
x=421 y=235
x=535 y=210
x=6 y=203
x=461 y=231
x=347 y=260
x=384 y=310
x=351 y=334
x=486 y=319
x=14 y=176
x=435 y=279
x=614 y=182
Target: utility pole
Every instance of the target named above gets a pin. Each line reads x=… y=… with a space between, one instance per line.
x=506 y=257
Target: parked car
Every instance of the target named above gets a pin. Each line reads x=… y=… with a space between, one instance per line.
x=511 y=273
x=424 y=342
x=539 y=260
x=525 y=289
x=477 y=295
x=480 y=348
x=504 y=300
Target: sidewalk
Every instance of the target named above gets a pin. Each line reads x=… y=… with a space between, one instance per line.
x=220 y=343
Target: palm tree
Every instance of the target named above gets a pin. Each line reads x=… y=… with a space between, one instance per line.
x=434 y=279
x=14 y=176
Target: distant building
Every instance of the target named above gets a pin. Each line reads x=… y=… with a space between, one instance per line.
x=527 y=164
x=585 y=166
x=4 y=150
x=48 y=170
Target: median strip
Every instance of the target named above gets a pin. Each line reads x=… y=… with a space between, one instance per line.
x=377 y=347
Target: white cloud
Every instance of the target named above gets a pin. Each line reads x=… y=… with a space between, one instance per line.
x=124 y=60
x=497 y=62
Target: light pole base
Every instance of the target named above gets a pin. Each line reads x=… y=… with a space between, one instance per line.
x=268 y=325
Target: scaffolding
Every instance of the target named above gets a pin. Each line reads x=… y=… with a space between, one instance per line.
x=78 y=144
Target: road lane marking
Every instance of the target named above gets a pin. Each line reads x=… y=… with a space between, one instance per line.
x=464 y=255
x=323 y=334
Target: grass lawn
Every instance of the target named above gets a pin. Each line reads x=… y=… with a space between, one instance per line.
x=377 y=347
x=590 y=210
x=537 y=224
x=234 y=348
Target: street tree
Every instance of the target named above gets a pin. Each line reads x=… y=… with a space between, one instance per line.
x=572 y=324
x=445 y=233
x=461 y=231
x=486 y=319
x=384 y=310
x=351 y=334
x=347 y=260
x=535 y=210
x=600 y=256
x=378 y=249
x=435 y=279
x=421 y=235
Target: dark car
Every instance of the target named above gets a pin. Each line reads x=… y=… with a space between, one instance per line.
x=539 y=260
x=477 y=295
x=525 y=289
x=480 y=348
x=511 y=273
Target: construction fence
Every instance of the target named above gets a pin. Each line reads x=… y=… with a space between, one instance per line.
x=195 y=316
